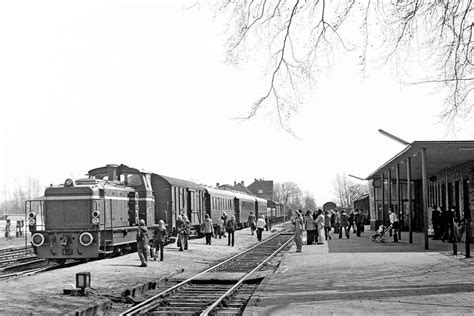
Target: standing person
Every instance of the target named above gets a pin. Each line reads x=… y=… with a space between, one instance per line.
x=142 y=242
x=180 y=226
x=435 y=220
x=358 y=222
x=351 y=222
x=344 y=225
x=266 y=222
x=260 y=227
x=7 y=229
x=320 y=226
x=231 y=227
x=394 y=222
x=159 y=236
x=310 y=227
x=208 y=229
x=337 y=222
x=297 y=220
x=224 y=220
x=252 y=223
x=219 y=230
x=186 y=232
x=327 y=225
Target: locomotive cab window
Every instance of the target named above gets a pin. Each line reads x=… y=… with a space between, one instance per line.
x=133 y=180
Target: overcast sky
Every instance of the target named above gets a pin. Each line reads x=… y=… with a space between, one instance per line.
x=144 y=83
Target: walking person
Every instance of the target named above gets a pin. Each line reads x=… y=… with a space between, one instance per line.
x=310 y=227
x=159 y=236
x=142 y=242
x=252 y=222
x=320 y=226
x=231 y=228
x=297 y=220
x=327 y=225
x=224 y=221
x=358 y=222
x=394 y=222
x=260 y=227
x=344 y=225
x=208 y=229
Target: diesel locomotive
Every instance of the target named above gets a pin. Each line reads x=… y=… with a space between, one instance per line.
x=98 y=216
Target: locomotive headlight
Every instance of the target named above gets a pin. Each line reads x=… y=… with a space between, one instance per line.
x=96 y=213
x=68 y=183
x=86 y=239
x=32 y=215
x=31 y=221
x=37 y=239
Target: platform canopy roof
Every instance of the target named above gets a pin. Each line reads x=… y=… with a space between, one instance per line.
x=440 y=155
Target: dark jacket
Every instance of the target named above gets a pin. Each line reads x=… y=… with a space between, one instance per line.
x=231 y=226
x=142 y=233
x=159 y=235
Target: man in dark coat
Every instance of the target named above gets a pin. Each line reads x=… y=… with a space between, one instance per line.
x=142 y=242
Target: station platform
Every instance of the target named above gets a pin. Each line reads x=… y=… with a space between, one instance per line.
x=357 y=276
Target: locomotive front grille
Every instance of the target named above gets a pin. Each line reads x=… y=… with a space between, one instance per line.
x=68 y=214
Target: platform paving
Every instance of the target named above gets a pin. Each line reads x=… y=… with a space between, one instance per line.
x=359 y=276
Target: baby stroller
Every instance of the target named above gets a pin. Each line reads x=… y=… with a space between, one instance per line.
x=379 y=235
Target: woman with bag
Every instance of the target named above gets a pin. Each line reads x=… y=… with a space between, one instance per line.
x=320 y=226
x=298 y=221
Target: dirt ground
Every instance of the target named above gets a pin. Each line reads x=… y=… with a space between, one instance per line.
x=43 y=293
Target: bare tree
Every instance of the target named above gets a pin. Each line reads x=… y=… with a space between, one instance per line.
x=288 y=194
x=308 y=201
x=347 y=191
x=299 y=36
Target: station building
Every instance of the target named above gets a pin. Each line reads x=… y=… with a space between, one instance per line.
x=424 y=174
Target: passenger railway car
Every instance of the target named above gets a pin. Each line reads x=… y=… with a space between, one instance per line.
x=99 y=215
x=218 y=202
x=175 y=197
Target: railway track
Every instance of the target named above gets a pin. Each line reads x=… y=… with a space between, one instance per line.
x=224 y=288
x=15 y=256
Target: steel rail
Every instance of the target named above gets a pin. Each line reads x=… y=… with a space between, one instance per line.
x=234 y=288
x=147 y=304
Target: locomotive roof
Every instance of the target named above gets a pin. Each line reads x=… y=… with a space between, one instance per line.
x=180 y=183
x=122 y=168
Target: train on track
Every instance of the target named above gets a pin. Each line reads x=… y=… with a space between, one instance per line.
x=98 y=216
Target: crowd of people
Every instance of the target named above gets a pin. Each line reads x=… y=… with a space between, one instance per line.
x=447 y=225
x=224 y=227
x=316 y=226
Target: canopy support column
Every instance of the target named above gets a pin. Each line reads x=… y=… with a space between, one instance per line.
x=410 y=230
x=399 y=201
x=425 y=194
